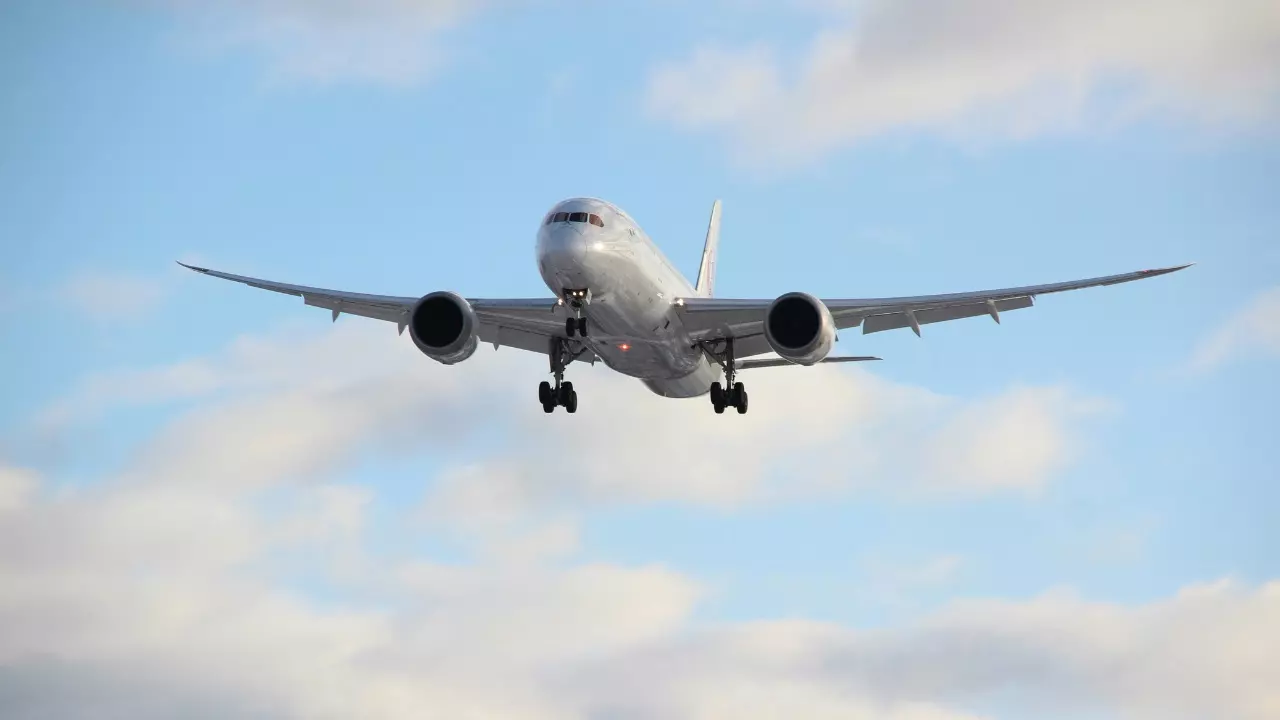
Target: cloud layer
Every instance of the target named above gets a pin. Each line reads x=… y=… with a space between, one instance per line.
x=227 y=570
x=980 y=69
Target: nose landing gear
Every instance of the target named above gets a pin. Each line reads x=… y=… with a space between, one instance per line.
x=576 y=324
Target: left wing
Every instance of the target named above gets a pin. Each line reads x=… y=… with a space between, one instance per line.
x=713 y=318
x=781 y=362
x=527 y=324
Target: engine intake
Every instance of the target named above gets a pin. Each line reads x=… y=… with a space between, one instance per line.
x=799 y=328
x=444 y=327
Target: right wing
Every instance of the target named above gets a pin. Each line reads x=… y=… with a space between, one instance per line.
x=715 y=318
x=526 y=324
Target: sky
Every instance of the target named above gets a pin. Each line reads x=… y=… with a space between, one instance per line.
x=215 y=502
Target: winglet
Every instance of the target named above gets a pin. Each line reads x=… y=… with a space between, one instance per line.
x=707 y=270
x=193 y=267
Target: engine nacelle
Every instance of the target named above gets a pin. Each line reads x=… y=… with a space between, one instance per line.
x=444 y=327
x=799 y=328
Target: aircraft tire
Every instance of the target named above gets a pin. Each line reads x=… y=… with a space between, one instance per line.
x=544 y=392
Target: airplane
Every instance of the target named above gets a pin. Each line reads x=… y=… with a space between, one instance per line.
x=619 y=300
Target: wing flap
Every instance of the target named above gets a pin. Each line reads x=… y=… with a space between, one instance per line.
x=377 y=311
x=896 y=320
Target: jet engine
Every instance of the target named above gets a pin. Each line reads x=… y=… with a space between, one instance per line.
x=444 y=327
x=799 y=328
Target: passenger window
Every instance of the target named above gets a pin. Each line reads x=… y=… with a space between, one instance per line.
x=561 y=217
x=577 y=217
x=595 y=220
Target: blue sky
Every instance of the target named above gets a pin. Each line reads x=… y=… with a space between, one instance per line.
x=198 y=480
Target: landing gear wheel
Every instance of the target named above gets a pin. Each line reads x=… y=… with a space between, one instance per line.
x=731 y=394
x=582 y=326
x=570 y=325
x=566 y=392
x=548 y=407
x=572 y=404
x=544 y=392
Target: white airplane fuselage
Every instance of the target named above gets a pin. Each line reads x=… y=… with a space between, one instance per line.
x=632 y=325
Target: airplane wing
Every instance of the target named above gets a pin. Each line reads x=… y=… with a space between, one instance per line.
x=526 y=324
x=707 y=318
x=782 y=362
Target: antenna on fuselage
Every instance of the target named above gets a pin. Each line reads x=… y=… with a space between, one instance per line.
x=707 y=270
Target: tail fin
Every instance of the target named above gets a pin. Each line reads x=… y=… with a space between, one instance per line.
x=707 y=271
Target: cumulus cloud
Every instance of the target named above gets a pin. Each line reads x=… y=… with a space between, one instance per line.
x=173 y=588
x=980 y=69
x=1251 y=330
x=1209 y=651
x=395 y=42
x=814 y=430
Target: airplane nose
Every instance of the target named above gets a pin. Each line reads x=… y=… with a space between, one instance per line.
x=566 y=246
x=565 y=253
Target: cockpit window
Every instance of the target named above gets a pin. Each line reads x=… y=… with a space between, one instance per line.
x=578 y=217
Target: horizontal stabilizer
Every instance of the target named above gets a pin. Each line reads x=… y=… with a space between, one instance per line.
x=779 y=362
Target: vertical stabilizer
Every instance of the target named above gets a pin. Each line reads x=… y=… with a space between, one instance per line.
x=707 y=271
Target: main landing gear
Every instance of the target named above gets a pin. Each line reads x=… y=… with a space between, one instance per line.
x=733 y=394
x=562 y=393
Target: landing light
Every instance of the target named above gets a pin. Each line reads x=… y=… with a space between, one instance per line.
x=624 y=347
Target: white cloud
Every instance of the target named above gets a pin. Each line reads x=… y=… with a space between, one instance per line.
x=811 y=430
x=981 y=69
x=395 y=42
x=111 y=297
x=170 y=590
x=1210 y=651
x=1252 y=330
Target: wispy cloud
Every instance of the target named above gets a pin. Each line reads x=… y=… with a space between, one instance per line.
x=980 y=69
x=1252 y=330
x=111 y=297
x=391 y=42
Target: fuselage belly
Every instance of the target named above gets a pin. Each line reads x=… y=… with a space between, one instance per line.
x=633 y=327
